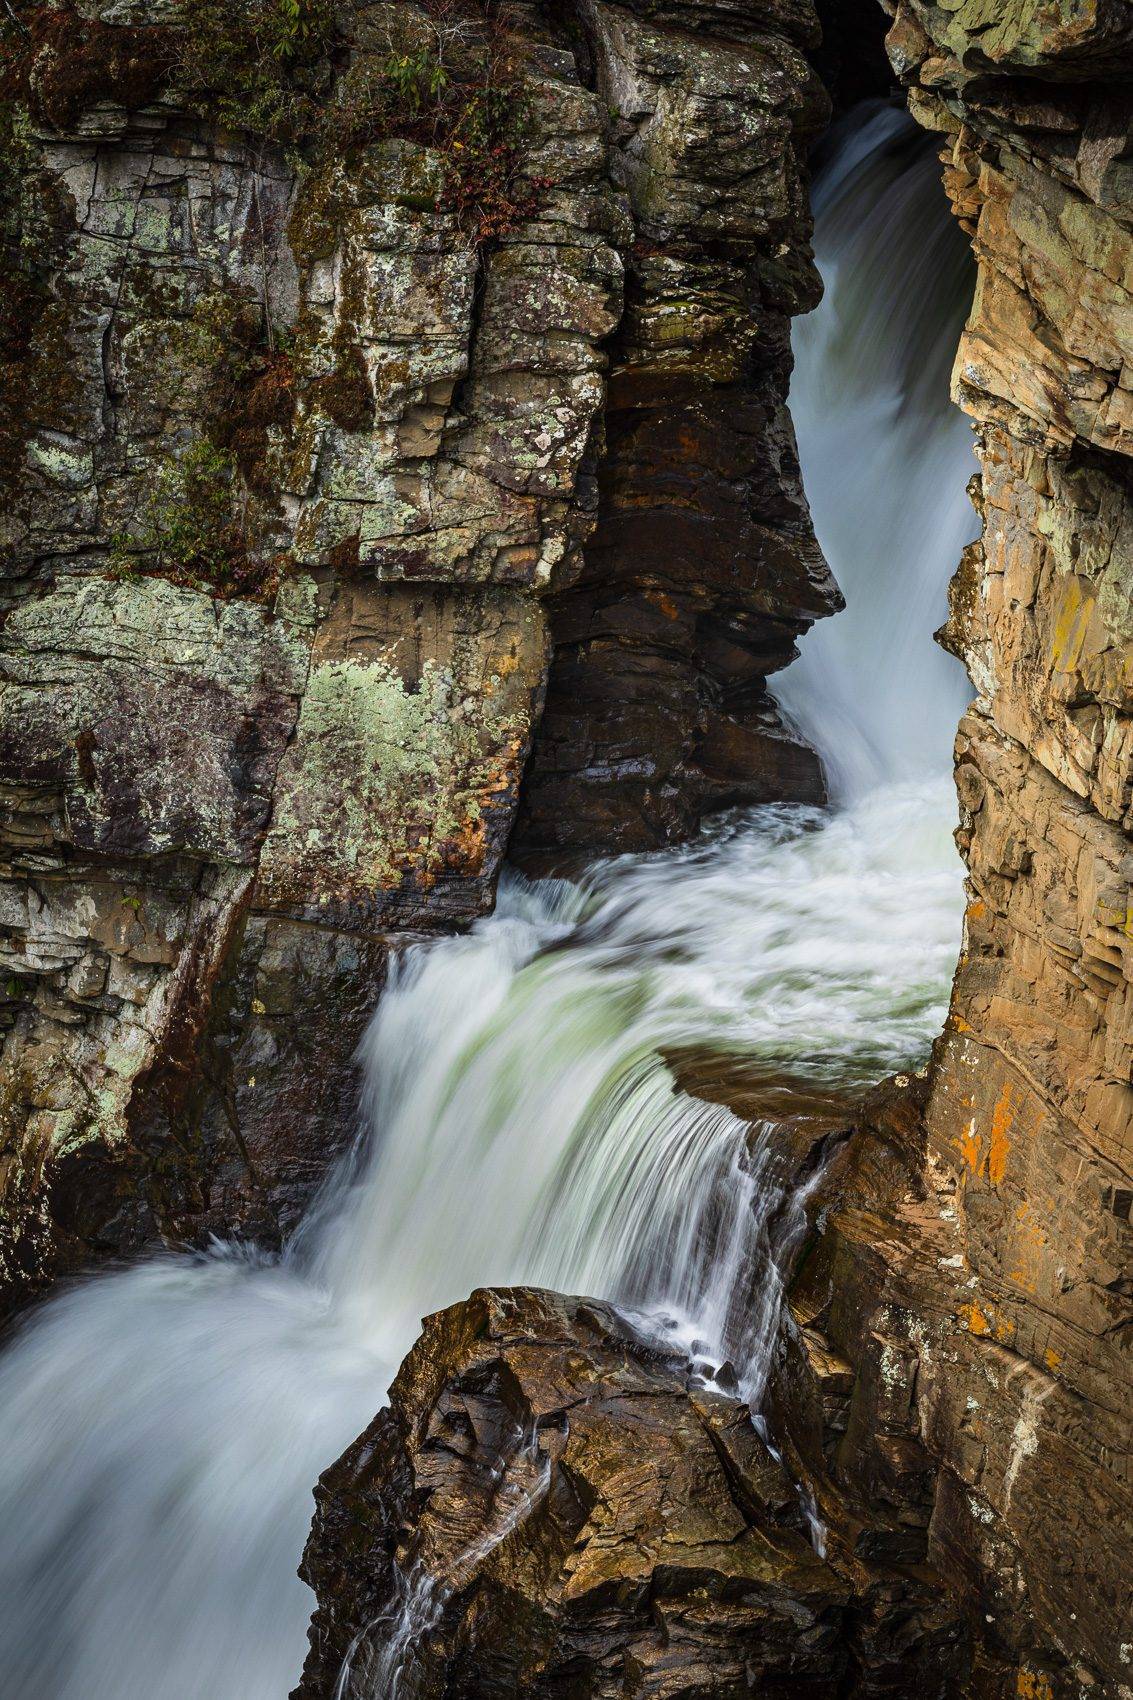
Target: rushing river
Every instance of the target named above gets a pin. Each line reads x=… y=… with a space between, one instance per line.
x=163 y=1426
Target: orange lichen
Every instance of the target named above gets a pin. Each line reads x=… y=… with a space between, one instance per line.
x=974 y=1319
x=986 y=1324
x=1002 y=1120
x=1071 y=624
x=666 y=604
x=992 y=1158
x=1029 y=1241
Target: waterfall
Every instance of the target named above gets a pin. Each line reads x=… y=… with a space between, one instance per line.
x=164 y=1425
x=885 y=460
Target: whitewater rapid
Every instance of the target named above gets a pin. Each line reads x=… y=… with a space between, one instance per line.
x=164 y=1425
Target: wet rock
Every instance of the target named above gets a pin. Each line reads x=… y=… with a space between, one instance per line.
x=550 y=1506
x=810 y=1115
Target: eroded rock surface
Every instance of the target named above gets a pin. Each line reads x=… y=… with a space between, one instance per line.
x=702 y=568
x=965 y=1319
x=303 y=436
x=550 y=1507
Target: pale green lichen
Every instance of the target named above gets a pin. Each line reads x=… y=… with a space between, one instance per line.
x=393 y=780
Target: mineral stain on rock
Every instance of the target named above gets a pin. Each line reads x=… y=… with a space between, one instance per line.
x=979 y=1294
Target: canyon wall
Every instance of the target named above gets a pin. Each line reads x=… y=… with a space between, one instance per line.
x=961 y=1363
x=358 y=377
x=702 y=568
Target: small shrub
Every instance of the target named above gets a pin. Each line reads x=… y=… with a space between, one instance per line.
x=255 y=64
x=259 y=393
x=344 y=395
x=483 y=161
x=414 y=84
x=454 y=84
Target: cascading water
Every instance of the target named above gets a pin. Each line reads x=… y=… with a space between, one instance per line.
x=885 y=460
x=164 y=1425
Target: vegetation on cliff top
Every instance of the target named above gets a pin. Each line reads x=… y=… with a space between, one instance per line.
x=447 y=75
x=452 y=79
x=262 y=66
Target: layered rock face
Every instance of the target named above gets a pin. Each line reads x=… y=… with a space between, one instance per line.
x=307 y=358
x=970 y=1300
x=329 y=455
x=702 y=569
x=549 y=1507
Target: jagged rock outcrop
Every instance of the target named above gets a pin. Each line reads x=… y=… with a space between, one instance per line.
x=548 y=1506
x=702 y=569
x=306 y=356
x=964 y=1322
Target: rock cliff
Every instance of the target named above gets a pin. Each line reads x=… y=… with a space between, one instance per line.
x=961 y=1351
x=701 y=569
x=953 y=1383
x=369 y=376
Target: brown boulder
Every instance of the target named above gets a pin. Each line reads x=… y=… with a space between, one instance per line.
x=550 y=1507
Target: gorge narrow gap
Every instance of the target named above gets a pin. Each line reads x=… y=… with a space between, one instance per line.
x=164 y=1425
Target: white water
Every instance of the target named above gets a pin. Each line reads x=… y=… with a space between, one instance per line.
x=163 y=1426
x=885 y=459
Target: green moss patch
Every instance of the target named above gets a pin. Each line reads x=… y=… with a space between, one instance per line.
x=188 y=530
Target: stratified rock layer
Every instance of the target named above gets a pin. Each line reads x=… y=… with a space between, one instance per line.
x=973 y=1289
x=702 y=568
x=301 y=447
x=549 y=1507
